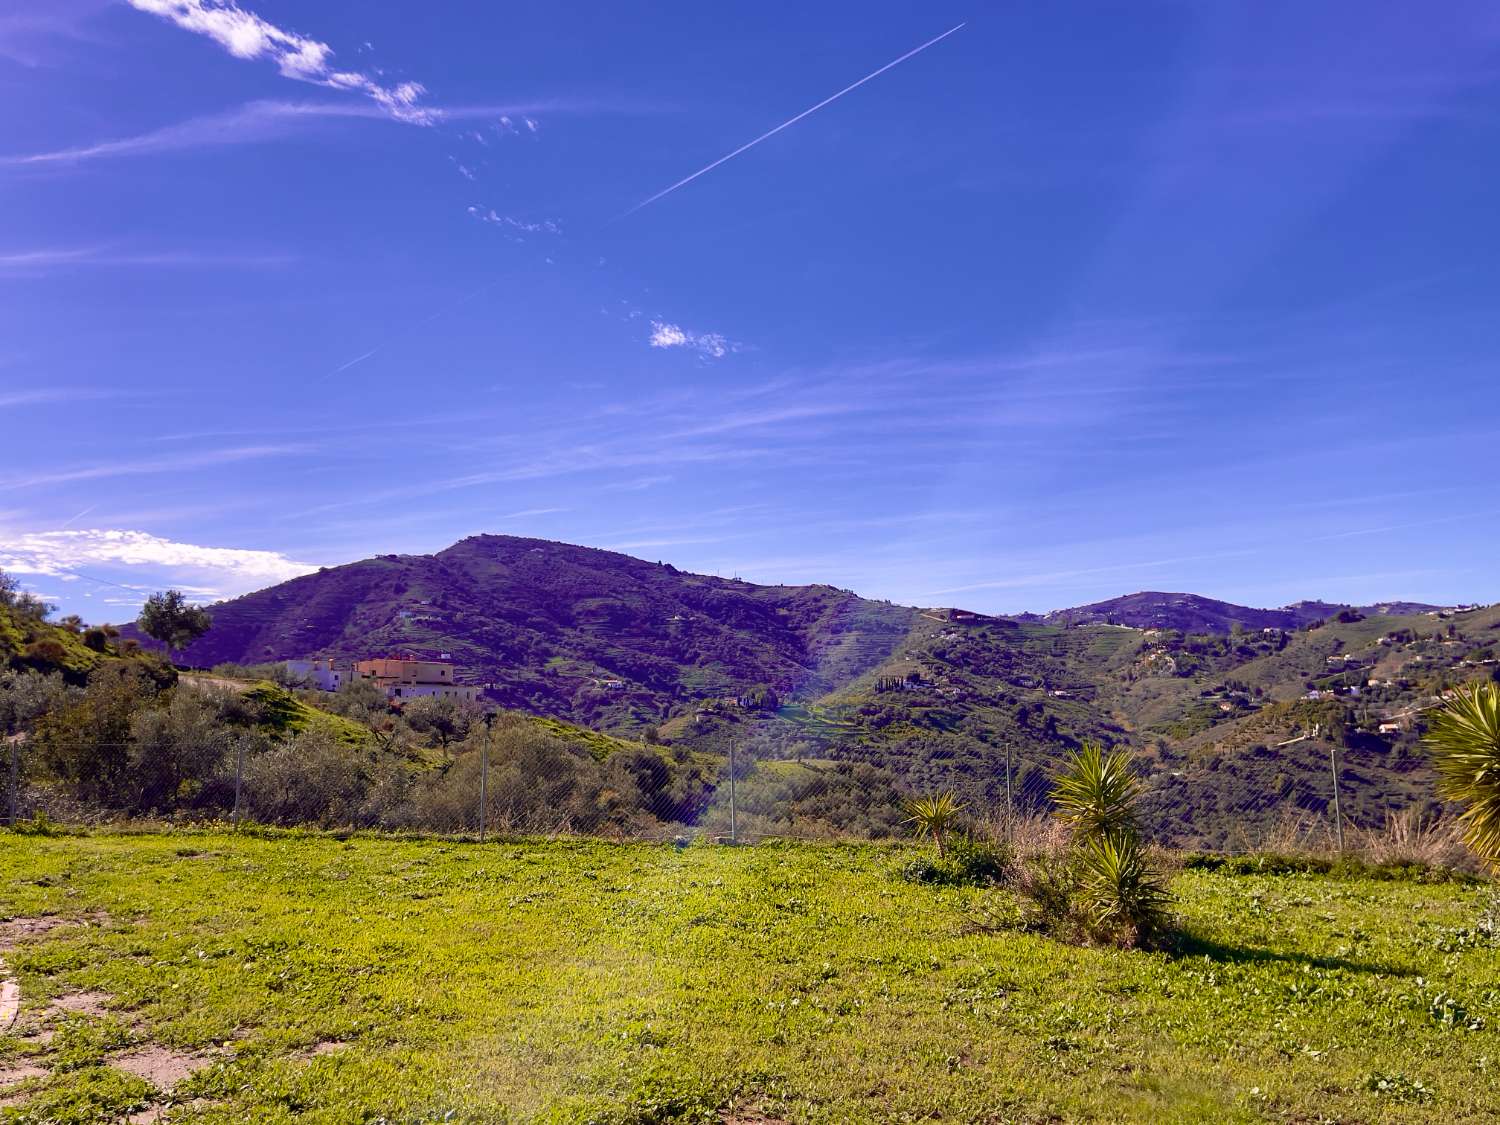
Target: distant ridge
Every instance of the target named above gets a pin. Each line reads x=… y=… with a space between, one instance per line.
x=1154 y=609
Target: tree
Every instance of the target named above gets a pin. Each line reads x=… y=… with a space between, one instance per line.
x=446 y=718
x=86 y=743
x=1464 y=740
x=167 y=617
x=26 y=606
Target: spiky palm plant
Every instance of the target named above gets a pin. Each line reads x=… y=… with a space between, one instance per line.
x=1464 y=740
x=1121 y=893
x=1095 y=793
x=934 y=816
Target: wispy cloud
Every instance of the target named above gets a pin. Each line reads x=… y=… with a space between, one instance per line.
x=59 y=554
x=665 y=334
x=54 y=258
x=246 y=35
x=638 y=484
x=260 y=122
x=251 y=123
x=46 y=396
x=512 y=227
x=30 y=38
x=528 y=513
x=150 y=465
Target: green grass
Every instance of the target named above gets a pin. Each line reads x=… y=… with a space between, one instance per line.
x=587 y=981
x=600 y=745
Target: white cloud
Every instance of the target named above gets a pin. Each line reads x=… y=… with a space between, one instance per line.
x=246 y=35
x=210 y=571
x=511 y=225
x=711 y=344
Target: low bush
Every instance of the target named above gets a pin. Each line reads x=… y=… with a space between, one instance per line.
x=1347 y=867
x=967 y=863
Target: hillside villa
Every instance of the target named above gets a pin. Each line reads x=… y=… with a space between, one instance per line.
x=399 y=677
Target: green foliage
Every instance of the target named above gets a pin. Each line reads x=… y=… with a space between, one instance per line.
x=1463 y=738
x=934 y=817
x=1095 y=794
x=969 y=863
x=1123 y=896
x=85 y=743
x=1107 y=887
x=169 y=618
x=1344 y=867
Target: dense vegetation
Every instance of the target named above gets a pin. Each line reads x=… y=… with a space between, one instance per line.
x=326 y=980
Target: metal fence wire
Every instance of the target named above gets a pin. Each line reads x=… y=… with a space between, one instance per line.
x=514 y=778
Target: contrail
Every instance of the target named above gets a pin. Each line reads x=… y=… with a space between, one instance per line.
x=791 y=121
x=352 y=362
x=412 y=327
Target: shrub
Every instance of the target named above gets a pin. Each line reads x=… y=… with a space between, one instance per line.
x=1464 y=739
x=96 y=639
x=1104 y=889
x=969 y=863
x=1096 y=793
x=1124 y=900
x=934 y=817
x=312 y=779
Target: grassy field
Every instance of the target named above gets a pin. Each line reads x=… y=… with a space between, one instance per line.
x=316 y=979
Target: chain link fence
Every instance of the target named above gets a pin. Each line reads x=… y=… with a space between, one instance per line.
x=515 y=778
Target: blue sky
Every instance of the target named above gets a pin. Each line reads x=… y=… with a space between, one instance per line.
x=1080 y=300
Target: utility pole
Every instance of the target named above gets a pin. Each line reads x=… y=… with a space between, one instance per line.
x=1338 y=816
x=239 y=776
x=733 y=823
x=484 y=774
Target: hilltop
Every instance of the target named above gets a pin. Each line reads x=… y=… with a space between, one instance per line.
x=1192 y=613
x=575 y=632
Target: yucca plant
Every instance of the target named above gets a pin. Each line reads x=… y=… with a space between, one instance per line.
x=934 y=816
x=1122 y=895
x=1095 y=793
x=1464 y=740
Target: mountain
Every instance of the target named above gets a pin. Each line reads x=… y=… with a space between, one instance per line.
x=579 y=633
x=1152 y=609
x=1233 y=729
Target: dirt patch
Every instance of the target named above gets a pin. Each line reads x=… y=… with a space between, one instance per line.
x=16 y=1073
x=152 y=1114
x=161 y=1066
x=10 y=1000
x=17 y=930
x=84 y=1003
x=319 y=1049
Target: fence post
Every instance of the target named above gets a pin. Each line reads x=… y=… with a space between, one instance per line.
x=239 y=776
x=1338 y=815
x=484 y=774
x=733 y=823
x=1010 y=804
x=15 y=783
